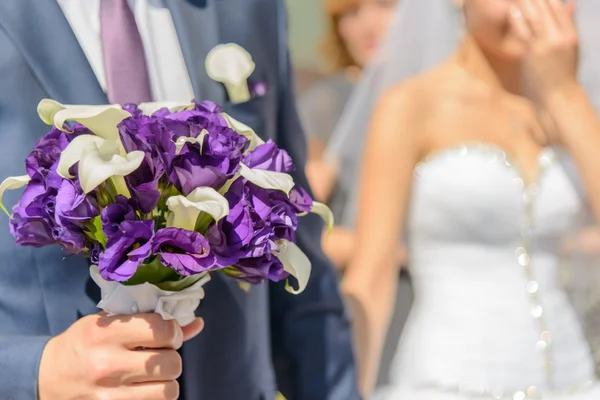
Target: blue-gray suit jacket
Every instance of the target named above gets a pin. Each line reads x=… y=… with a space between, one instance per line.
x=253 y=342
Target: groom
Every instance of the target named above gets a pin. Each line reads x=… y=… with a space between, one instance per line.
x=255 y=343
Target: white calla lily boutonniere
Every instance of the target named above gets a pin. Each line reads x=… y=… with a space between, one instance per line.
x=231 y=65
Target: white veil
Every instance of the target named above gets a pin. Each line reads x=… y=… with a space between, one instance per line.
x=423 y=34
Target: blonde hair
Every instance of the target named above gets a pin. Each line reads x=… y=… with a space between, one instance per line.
x=333 y=47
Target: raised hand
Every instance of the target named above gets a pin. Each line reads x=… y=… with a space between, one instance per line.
x=548 y=29
x=99 y=357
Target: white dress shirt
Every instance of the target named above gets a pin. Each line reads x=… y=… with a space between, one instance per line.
x=169 y=78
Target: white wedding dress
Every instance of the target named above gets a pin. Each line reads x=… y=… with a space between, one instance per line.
x=490 y=319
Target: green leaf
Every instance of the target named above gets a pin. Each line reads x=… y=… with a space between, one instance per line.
x=94 y=231
x=179 y=285
x=153 y=272
x=162 y=277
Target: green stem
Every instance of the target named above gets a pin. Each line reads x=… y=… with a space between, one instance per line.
x=118 y=185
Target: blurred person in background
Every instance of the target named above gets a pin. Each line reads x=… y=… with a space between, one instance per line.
x=356 y=28
x=482 y=153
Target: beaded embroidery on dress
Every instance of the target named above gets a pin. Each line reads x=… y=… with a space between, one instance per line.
x=491 y=319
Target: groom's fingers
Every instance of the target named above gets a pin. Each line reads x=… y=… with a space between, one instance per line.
x=152 y=366
x=146 y=331
x=192 y=330
x=148 y=391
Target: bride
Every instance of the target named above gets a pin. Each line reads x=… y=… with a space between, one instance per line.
x=486 y=155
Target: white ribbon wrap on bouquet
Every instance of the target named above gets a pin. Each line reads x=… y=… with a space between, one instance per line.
x=119 y=299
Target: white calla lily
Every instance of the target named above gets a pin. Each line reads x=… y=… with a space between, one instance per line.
x=268 y=179
x=185 y=210
x=12 y=183
x=231 y=65
x=101 y=120
x=151 y=108
x=324 y=212
x=295 y=262
x=182 y=140
x=72 y=153
x=99 y=162
x=243 y=130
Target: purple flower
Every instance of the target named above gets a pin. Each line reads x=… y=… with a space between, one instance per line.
x=222 y=152
x=210 y=111
x=188 y=123
x=143 y=184
x=37 y=201
x=257 y=270
x=269 y=157
x=94 y=251
x=126 y=250
x=224 y=143
x=71 y=239
x=114 y=214
x=34 y=232
x=222 y=148
x=138 y=133
x=141 y=133
x=284 y=222
x=299 y=199
x=47 y=150
x=190 y=172
x=36 y=222
x=73 y=207
x=186 y=252
x=133 y=110
x=258 y=218
x=231 y=235
x=262 y=242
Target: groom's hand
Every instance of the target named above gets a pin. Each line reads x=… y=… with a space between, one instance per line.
x=117 y=358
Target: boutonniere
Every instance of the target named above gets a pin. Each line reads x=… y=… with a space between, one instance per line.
x=231 y=65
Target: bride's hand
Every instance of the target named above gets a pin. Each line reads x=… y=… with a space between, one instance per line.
x=548 y=29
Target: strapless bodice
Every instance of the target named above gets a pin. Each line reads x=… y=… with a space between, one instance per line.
x=490 y=315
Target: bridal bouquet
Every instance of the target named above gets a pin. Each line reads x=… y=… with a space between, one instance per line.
x=157 y=197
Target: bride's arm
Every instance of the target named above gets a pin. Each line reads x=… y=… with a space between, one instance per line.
x=579 y=128
x=371 y=278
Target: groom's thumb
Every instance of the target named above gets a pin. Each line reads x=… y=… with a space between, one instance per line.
x=193 y=329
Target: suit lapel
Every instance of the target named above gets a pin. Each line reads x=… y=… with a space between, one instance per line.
x=44 y=37
x=51 y=50
x=198 y=26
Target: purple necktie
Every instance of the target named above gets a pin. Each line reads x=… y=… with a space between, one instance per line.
x=124 y=61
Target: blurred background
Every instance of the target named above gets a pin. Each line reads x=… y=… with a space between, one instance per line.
x=307 y=26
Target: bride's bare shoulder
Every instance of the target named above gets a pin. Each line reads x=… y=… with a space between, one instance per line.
x=414 y=102
x=424 y=91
